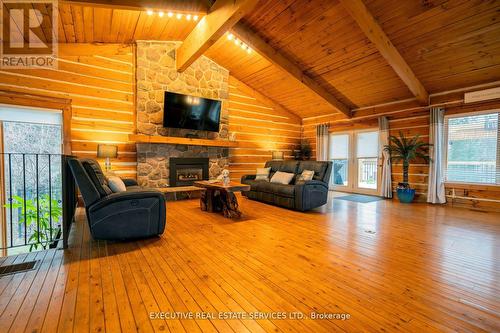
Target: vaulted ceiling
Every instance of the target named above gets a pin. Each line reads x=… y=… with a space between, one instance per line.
x=446 y=45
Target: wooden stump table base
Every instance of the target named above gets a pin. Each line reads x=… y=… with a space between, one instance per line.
x=229 y=205
x=219 y=198
x=220 y=201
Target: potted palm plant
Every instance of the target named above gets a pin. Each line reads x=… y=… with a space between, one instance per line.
x=406 y=150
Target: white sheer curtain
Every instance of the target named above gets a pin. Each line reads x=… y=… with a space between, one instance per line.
x=435 y=191
x=322 y=142
x=386 y=179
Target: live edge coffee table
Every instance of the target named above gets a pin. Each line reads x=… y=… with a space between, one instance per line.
x=221 y=198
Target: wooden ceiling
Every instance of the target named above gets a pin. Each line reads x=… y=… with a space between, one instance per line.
x=447 y=44
x=78 y=24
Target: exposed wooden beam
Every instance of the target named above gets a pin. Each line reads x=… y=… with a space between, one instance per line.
x=200 y=7
x=272 y=55
x=377 y=36
x=223 y=15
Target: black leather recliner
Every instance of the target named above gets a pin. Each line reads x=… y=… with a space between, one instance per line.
x=298 y=195
x=135 y=213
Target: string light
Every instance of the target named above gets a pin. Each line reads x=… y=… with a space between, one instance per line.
x=188 y=17
x=239 y=43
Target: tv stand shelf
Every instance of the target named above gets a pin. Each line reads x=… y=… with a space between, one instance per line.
x=141 y=138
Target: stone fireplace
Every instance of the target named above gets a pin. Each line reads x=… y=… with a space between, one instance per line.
x=153 y=161
x=156 y=73
x=185 y=171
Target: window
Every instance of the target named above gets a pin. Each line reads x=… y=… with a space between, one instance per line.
x=339 y=155
x=367 y=157
x=473 y=148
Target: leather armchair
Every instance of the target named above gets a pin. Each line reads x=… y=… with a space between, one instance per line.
x=130 y=182
x=135 y=213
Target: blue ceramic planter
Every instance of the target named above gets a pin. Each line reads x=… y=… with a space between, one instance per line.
x=406 y=195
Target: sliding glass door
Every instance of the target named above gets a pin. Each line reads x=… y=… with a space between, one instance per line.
x=355 y=161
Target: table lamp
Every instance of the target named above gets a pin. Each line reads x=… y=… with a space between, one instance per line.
x=107 y=151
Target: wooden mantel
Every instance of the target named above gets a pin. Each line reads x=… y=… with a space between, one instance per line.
x=140 y=138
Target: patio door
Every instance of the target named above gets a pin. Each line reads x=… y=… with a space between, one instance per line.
x=355 y=161
x=31 y=144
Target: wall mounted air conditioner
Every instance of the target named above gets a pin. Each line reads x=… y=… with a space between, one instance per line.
x=482 y=95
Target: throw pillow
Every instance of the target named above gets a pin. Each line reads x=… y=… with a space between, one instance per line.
x=282 y=177
x=116 y=184
x=306 y=175
x=262 y=174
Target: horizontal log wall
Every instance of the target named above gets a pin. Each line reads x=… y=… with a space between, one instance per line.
x=260 y=127
x=100 y=81
x=415 y=120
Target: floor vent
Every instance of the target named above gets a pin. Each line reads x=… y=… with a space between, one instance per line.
x=17 y=268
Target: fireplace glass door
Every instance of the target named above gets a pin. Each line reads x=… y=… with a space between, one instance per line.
x=189 y=173
x=185 y=171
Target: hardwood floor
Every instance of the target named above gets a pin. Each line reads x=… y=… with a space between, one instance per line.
x=390 y=267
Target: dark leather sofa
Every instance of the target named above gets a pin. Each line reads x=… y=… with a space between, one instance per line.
x=135 y=213
x=299 y=195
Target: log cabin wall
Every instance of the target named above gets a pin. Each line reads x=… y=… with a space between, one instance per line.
x=260 y=127
x=411 y=119
x=100 y=81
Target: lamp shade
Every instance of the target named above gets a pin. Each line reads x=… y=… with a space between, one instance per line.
x=278 y=155
x=107 y=151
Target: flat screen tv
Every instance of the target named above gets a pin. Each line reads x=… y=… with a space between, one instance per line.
x=191 y=112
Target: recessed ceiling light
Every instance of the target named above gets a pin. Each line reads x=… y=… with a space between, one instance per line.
x=195 y=17
x=149 y=12
x=230 y=36
x=188 y=17
x=161 y=14
x=179 y=16
x=249 y=50
x=237 y=42
x=170 y=14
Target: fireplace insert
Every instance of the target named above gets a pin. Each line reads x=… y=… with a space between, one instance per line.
x=185 y=171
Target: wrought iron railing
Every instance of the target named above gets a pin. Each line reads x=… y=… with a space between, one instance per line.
x=367 y=171
x=38 y=200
